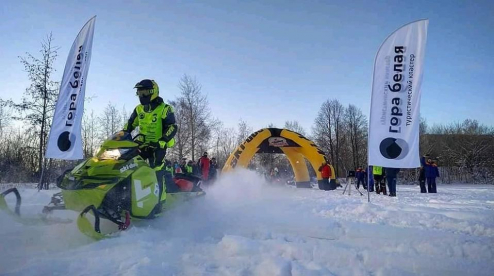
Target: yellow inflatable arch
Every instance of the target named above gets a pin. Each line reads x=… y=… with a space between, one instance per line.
x=274 y=140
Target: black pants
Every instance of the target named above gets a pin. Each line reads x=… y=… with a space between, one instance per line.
x=361 y=181
x=156 y=159
x=431 y=184
x=380 y=184
x=422 y=186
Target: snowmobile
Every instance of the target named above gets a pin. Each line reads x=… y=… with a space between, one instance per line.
x=117 y=186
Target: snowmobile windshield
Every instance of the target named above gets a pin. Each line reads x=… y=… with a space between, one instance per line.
x=114 y=154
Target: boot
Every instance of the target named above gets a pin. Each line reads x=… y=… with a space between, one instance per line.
x=383 y=189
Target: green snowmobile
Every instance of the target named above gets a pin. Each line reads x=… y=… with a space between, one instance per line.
x=116 y=186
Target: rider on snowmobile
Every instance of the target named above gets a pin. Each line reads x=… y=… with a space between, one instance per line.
x=156 y=121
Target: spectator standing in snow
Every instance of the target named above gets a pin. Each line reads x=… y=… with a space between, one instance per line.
x=189 y=168
x=431 y=172
x=183 y=165
x=379 y=180
x=213 y=170
x=364 y=172
x=391 y=176
x=176 y=167
x=360 y=175
x=203 y=164
x=370 y=179
x=325 y=184
x=422 y=180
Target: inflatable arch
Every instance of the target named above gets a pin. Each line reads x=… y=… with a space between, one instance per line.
x=274 y=140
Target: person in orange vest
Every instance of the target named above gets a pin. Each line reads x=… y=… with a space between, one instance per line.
x=325 y=170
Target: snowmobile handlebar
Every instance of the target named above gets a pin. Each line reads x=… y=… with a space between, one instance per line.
x=139 y=139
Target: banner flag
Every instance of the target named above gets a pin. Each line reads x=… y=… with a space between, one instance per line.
x=395 y=101
x=65 y=141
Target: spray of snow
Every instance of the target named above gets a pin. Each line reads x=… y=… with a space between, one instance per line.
x=245 y=226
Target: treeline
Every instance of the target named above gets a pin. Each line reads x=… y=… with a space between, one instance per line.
x=464 y=151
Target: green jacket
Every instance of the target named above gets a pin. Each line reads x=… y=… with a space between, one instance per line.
x=377 y=170
x=156 y=121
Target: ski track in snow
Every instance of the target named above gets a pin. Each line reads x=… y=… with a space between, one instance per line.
x=245 y=227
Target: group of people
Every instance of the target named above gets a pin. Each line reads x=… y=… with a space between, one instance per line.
x=380 y=176
x=428 y=172
x=205 y=168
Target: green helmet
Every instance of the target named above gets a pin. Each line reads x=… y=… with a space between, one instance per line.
x=147 y=90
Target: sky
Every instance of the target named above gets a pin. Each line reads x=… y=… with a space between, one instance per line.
x=265 y=62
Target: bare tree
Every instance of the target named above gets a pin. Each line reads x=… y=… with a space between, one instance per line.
x=90 y=133
x=356 y=133
x=182 y=137
x=244 y=130
x=39 y=99
x=295 y=126
x=224 y=143
x=328 y=130
x=4 y=117
x=110 y=120
x=196 y=114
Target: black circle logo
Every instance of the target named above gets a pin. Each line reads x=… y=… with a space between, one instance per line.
x=394 y=148
x=64 y=142
x=141 y=116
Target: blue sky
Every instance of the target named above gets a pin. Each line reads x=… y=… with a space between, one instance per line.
x=260 y=61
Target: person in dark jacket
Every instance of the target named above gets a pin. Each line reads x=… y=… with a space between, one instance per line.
x=360 y=175
x=431 y=172
x=213 y=170
x=183 y=165
x=391 y=176
x=370 y=179
x=422 y=180
x=364 y=172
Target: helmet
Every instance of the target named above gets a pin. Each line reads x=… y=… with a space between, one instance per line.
x=147 y=90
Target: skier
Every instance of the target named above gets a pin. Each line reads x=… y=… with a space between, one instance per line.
x=156 y=121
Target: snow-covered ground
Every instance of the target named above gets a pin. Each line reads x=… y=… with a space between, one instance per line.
x=245 y=227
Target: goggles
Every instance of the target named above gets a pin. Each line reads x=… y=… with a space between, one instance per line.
x=144 y=92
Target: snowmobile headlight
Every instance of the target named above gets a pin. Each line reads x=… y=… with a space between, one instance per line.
x=114 y=154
